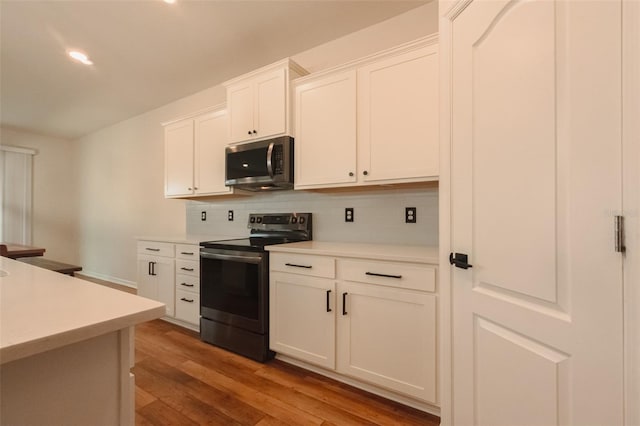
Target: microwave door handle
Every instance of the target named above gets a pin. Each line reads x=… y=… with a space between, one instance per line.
x=270 y=160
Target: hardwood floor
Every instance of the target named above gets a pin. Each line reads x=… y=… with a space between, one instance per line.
x=181 y=380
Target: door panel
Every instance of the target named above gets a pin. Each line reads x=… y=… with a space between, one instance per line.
x=211 y=138
x=535 y=183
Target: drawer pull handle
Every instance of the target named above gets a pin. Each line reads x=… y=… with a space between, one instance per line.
x=384 y=275
x=187 y=253
x=299 y=266
x=184 y=299
x=187 y=269
x=152 y=249
x=186 y=285
x=344 y=303
x=328 y=296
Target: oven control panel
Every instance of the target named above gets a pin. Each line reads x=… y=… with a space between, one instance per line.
x=280 y=221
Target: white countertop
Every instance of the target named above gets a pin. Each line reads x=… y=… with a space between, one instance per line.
x=187 y=239
x=399 y=253
x=42 y=310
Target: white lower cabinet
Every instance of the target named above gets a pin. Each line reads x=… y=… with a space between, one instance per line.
x=369 y=320
x=302 y=317
x=387 y=336
x=156 y=273
x=171 y=275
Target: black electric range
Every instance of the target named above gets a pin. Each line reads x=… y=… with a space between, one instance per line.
x=234 y=283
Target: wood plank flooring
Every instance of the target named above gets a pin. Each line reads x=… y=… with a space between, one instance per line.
x=181 y=380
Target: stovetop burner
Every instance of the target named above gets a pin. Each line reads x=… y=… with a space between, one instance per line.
x=268 y=229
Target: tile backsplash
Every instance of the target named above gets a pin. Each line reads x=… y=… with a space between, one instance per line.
x=379 y=215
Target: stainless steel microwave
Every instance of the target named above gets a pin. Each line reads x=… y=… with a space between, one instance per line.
x=261 y=165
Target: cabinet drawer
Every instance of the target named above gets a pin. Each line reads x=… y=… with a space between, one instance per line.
x=187 y=283
x=187 y=251
x=315 y=266
x=188 y=267
x=156 y=248
x=188 y=306
x=392 y=274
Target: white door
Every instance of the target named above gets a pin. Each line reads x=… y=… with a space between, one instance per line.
x=535 y=184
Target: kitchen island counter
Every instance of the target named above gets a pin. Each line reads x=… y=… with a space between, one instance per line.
x=66 y=348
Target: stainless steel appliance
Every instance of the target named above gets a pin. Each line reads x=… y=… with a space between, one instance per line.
x=262 y=165
x=234 y=283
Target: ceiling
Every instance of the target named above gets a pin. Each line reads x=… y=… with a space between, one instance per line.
x=147 y=53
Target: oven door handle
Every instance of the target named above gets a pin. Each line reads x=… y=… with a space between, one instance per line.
x=231 y=257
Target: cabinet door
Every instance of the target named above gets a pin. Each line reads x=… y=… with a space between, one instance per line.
x=270 y=104
x=387 y=337
x=398 y=117
x=240 y=103
x=146 y=283
x=210 y=141
x=325 y=131
x=178 y=159
x=301 y=318
x=156 y=280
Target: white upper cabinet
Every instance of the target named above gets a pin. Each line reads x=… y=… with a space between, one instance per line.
x=209 y=160
x=326 y=126
x=194 y=155
x=371 y=121
x=259 y=102
x=398 y=117
x=178 y=156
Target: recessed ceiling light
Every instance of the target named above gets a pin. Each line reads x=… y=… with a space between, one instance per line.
x=80 y=57
x=169 y=1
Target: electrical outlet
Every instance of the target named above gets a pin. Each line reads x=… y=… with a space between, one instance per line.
x=348 y=214
x=410 y=215
x=230 y=216
x=203 y=216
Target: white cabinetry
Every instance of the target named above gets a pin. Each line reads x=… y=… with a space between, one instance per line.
x=194 y=155
x=259 y=102
x=155 y=272
x=374 y=121
x=373 y=321
x=171 y=275
x=187 y=284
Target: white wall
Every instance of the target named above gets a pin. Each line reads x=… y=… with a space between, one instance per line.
x=54 y=208
x=121 y=182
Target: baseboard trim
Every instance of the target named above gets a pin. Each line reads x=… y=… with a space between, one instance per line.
x=422 y=406
x=109 y=278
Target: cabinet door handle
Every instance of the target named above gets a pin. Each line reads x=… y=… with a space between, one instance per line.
x=186 y=285
x=350 y=174
x=184 y=299
x=187 y=269
x=152 y=249
x=149 y=268
x=344 y=303
x=383 y=275
x=299 y=266
x=328 y=296
x=187 y=253
x=152 y=268
x=365 y=173
x=255 y=133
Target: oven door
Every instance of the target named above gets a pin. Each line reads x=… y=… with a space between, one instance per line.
x=234 y=288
